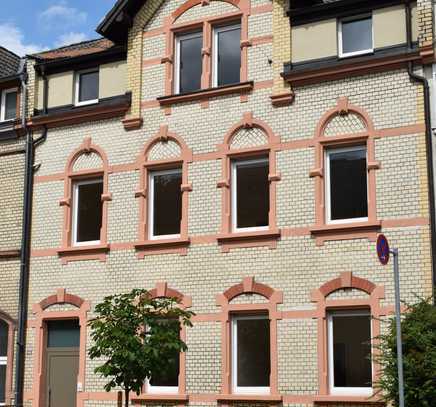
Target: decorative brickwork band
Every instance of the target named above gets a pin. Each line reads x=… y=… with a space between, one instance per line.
x=324 y=305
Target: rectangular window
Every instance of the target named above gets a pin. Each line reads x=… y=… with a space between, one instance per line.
x=63 y=334
x=87 y=211
x=227 y=55
x=189 y=62
x=251 y=355
x=355 y=36
x=346 y=185
x=349 y=347
x=250 y=194
x=4 y=337
x=87 y=87
x=165 y=209
x=167 y=382
x=8 y=108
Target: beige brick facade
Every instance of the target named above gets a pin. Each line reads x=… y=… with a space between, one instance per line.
x=296 y=267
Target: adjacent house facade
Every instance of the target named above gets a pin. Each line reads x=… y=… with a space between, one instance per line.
x=12 y=162
x=242 y=156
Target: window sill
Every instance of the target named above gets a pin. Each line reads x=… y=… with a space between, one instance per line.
x=205 y=94
x=249 y=397
x=249 y=239
x=346 y=231
x=332 y=399
x=78 y=253
x=163 y=246
x=162 y=397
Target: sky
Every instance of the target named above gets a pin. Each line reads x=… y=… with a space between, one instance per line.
x=29 y=26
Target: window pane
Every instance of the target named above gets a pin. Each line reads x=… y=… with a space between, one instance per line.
x=357 y=35
x=88 y=87
x=253 y=353
x=229 y=56
x=89 y=212
x=63 y=334
x=10 y=105
x=348 y=184
x=252 y=194
x=2 y=383
x=169 y=377
x=4 y=330
x=352 y=351
x=190 y=63
x=167 y=204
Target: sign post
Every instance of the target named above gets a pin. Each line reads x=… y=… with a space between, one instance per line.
x=383 y=252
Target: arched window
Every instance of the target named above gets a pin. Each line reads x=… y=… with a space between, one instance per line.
x=85 y=204
x=248 y=185
x=345 y=191
x=7 y=329
x=163 y=193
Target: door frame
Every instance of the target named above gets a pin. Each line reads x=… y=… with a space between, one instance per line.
x=43 y=314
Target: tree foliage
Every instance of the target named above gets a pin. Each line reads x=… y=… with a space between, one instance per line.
x=419 y=353
x=136 y=335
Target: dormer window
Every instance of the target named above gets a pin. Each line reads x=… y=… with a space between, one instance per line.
x=87 y=87
x=355 y=36
x=8 y=105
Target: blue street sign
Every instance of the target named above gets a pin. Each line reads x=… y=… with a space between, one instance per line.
x=383 y=250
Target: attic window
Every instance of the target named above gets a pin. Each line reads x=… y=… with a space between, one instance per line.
x=87 y=87
x=355 y=36
x=8 y=104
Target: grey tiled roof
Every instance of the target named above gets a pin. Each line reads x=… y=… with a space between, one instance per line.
x=9 y=63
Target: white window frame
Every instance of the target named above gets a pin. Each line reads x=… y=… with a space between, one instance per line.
x=177 y=71
x=5 y=92
x=216 y=31
x=76 y=185
x=234 y=193
x=340 y=42
x=151 y=204
x=78 y=74
x=327 y=153
x=346 y=391
x=234 y=356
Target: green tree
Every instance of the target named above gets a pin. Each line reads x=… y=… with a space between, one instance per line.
x=136 y=335
x=419 y=353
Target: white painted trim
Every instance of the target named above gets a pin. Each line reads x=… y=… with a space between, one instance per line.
x=345 y=391
x=177 y=72
x=216 y=31
x=340 y=43
x=75 y=208
x=77 y=87
x=327 y=185
x=5 y=92
x=234 y=193
x=151 y=204
x=234 y=356
x=162 y=389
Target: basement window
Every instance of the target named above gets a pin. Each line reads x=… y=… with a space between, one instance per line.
x=87 y=212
